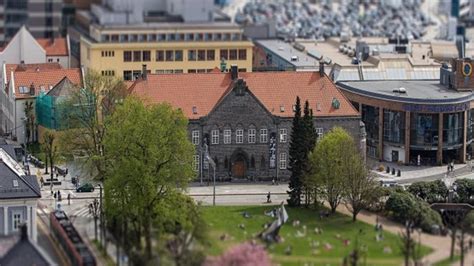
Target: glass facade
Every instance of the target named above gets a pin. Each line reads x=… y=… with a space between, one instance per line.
x=453 y=129
x=424 y=130
x=394 y=126
x=370 y=117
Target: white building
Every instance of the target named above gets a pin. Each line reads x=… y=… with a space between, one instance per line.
x=19 y=195
x=21 y=84
x=24 y=48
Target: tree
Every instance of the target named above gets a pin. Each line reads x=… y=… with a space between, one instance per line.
x=30 y=121
x=309 y=141
x=83 y=114
x=464 y=190
x=297 y=157
x=328 y=166
x=466 y=225
x=359 y=183
x=434 y=191
x=148 y=159
x=50 y=149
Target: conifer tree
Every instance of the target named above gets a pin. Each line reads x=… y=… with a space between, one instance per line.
x=297 y=156
x=309 y=141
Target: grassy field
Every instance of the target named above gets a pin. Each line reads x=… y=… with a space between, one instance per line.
x=327 y=248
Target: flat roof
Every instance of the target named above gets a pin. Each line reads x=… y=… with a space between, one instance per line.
x=168 y=25
x=417 y=91
x=286 y=51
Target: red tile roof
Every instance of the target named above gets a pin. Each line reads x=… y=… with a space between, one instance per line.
x=56 y=48
x=273 y=89
x=44 y=78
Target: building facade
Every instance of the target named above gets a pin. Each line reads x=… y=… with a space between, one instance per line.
x=42 y=17
x=21 y=84
x=418 y=121
x=24 y=48
x=166 y=48
x=244 y=120
x=19 y=195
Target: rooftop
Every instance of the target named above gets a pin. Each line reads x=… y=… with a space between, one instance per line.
x=288 y=52
x=417 y=91
x=55 y=47
x=273 y=89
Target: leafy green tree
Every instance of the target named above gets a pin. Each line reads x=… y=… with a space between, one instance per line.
x=434 y=191
x=297 y=157
x=328 y=166
x=148 y=159
x=83 y=114
x=464 y=190
x=359 y=184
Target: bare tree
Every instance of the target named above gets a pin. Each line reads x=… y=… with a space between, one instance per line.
x=50 y=150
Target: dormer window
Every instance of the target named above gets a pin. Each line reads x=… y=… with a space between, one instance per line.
x=195 y=111
x=15 y=183
x=24 y=89
x=282 y=108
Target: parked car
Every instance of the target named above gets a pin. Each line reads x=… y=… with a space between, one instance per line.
x=87 y=187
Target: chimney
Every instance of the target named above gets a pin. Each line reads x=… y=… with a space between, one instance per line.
x=321 y=68
x=32 y=89
x=24 y=232
x=234 y=72
x=144 y=72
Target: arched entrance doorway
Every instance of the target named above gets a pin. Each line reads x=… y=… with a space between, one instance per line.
x=239 y=164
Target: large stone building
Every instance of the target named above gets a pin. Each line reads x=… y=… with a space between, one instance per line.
x=246 y=118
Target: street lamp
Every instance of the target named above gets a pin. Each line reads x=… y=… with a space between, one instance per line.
x=213 y=164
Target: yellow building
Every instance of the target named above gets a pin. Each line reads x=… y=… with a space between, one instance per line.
x=165 y=48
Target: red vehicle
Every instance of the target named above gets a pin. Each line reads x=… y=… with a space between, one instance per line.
x=71 y=242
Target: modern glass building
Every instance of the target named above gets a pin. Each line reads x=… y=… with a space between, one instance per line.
x=430 y=121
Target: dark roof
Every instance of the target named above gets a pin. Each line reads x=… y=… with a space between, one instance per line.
x=64 y=88
x=25 y=253
x=24 y=186
x=417 y=91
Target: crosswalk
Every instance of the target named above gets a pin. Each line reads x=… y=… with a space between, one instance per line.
x=82 y=211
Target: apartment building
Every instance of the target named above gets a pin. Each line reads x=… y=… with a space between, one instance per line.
x=165 y=48
x=42 y=17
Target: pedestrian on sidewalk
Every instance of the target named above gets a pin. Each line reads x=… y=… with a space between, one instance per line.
x=68 y=199
x=42 y=182
x=268 y=197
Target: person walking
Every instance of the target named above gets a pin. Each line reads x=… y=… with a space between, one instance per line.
x=69 y=199
x=268 y=197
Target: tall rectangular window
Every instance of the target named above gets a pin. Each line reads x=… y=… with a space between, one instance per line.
x=283 y=135
x=282 y=160
x=160 y=55
x=232 y=54
x=215 y=136
x=195 y=137
x=137 y=56
x=201 y=55
x=211 y=55
x=319 y=133
x=127 y=56
x=146 y=56
x=191 y=55
x=196 y=162
x=239 y=136
x=224 y=54
x=263 y=135
x=169 y=55
x=178 y=55
x=17 y=220
x=242 y=54
x=251 y=135
x=227 y=136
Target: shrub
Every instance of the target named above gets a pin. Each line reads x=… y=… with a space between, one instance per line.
x=381 y=168
x=403 y=206
x=464 y=190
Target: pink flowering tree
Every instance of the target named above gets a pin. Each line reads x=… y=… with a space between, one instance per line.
x=246 y=254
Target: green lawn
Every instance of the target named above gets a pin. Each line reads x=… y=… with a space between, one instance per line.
x=335 y=229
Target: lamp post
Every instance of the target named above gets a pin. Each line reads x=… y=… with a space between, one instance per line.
x=213 y=164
